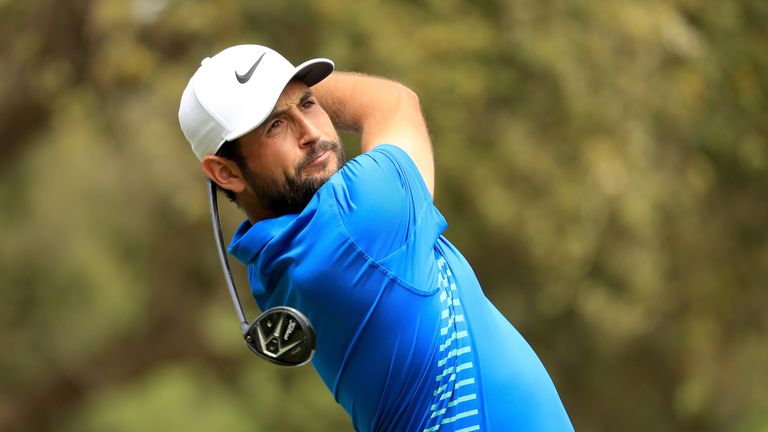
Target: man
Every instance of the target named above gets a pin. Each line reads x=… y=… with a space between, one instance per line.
x=406 y=340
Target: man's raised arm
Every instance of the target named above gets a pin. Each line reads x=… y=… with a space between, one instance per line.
x=383 y=112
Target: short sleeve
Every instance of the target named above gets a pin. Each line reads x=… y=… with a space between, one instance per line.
x=385 y=205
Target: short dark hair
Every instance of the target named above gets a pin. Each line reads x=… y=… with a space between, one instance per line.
x=231 y=150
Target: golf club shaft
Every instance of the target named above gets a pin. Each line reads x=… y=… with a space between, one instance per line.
x=214 y=208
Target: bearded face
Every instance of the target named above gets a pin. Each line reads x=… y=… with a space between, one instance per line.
x=292 y=191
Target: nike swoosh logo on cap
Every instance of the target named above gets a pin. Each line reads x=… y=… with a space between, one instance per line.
x=242 y=79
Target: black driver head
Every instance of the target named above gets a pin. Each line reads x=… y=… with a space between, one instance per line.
x=282 y=335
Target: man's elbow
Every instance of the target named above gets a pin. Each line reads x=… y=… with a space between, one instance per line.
x=411 y=97
x=406 y=100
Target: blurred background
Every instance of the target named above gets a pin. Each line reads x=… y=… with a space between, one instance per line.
x=602 y=164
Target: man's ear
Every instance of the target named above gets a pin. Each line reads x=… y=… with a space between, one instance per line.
x=224 y=173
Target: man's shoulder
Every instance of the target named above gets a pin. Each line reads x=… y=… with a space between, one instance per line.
x=378 y=200
x=386 y=166
x=383 y=156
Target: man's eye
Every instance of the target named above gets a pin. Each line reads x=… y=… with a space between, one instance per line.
x=308 y=104
x=274 y=125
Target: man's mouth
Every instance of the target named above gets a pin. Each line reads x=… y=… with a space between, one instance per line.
x=320 y=158
x=322 y=155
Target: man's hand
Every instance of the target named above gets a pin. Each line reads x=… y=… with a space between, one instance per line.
x=383 y=112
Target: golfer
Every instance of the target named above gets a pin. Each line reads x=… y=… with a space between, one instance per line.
x=406 y=340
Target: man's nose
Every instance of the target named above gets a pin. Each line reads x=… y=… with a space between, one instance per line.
x=308 y=133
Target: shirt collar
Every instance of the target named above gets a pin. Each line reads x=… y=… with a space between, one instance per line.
x=250 y=239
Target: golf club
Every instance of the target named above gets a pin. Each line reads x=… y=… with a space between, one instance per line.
x=281 y=335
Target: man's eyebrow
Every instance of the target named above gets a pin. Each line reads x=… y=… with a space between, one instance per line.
x=277 y=113
x=307 y=95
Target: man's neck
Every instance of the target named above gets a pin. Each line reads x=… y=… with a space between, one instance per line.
x=256 y=214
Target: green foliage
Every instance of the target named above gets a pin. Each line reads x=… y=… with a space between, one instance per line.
x=603 y=165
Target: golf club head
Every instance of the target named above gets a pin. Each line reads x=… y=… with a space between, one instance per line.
x=283 y=336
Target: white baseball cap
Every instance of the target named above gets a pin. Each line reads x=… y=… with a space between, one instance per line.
x=233 y=92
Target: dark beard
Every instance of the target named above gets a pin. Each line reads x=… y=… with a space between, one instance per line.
x=295 y=191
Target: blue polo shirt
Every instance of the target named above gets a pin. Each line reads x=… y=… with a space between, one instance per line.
x=406 y=340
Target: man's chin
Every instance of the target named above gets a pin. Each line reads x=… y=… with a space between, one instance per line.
x=319 y=179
